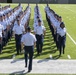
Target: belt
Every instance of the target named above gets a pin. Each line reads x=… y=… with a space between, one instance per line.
x=5 y=29
x=28 y=46
x=62 y=36
x=18 y=34
x=39 y=34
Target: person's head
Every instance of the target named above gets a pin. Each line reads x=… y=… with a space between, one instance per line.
x=28 y=29
x=18 y=21
x=60 y=18
x=37 y=17
x=4 y=16
x=1 y=17
x=39 y=22
x=7 y=14
x=62 y=25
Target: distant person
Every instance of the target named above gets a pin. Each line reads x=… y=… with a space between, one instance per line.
x=29 y=41
x=39 y=33
x=1 y=32
x=18 y=30
x=62 y=38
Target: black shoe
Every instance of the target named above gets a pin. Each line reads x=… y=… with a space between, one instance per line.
x=29 y=70
x=17 y=54
x=25 y=66
x=59 y=55
x=1 y=52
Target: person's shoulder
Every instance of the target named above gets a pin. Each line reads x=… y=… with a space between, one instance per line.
x=43 y=26
x=32 y=34
x=1 y=25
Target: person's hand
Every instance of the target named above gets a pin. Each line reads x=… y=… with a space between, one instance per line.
x=22 y=51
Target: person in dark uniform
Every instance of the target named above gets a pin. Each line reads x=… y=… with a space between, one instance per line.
x=29 y=41
x=62 y=38
x=39 y=33
x=18 y=31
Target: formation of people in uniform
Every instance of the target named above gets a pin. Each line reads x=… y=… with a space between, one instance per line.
x=57 y=28
x=15 y=22
x=39 y=29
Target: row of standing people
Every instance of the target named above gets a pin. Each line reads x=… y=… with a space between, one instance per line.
x=39 y=29
x=30 y=40
x=57 y=27
x=7 y=19
x=20 y=26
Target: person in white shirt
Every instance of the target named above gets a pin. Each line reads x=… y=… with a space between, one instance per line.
x=62 y=38
x=18 y=30
x=29 y=41
x=40 y=33
x=1 y=31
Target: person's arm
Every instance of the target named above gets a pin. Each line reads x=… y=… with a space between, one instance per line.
x=22 y=45
x=3 y=32
x=44 y=31
x=34 y=31
x=34 y=44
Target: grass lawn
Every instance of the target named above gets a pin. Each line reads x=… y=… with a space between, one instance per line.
x=69 y=17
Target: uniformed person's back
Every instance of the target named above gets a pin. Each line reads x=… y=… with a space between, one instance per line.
x=28 y=40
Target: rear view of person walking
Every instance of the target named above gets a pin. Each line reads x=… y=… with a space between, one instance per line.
x=29 y=41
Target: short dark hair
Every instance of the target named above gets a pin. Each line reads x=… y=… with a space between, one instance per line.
x=62 y=23
x=60 y=17
x=39 y=20
x=28 y=28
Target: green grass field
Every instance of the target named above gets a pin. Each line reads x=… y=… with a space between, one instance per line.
x=69 y=17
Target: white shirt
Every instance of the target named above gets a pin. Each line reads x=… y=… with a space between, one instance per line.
x=62 y=32
x=1 y=29
x=39 y=30
x=18 y=29
x=28 y=39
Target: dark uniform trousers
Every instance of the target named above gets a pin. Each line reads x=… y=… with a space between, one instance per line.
x=62 y=41
x=18 y=42
x=39 y=43
x=4 y=40
x=29 y=51
x=0 y=44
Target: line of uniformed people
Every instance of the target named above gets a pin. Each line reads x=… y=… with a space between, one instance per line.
x=7 y=19
x=20 y=27
x=57 y=28
x=39 y=29
x=24 y=38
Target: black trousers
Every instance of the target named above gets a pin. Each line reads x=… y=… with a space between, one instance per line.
x=62 y=41
x=0 y=48
x=18 y=43
x=29 y=51
x=39 y=43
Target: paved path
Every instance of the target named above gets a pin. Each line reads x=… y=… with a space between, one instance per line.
x=47 y=66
